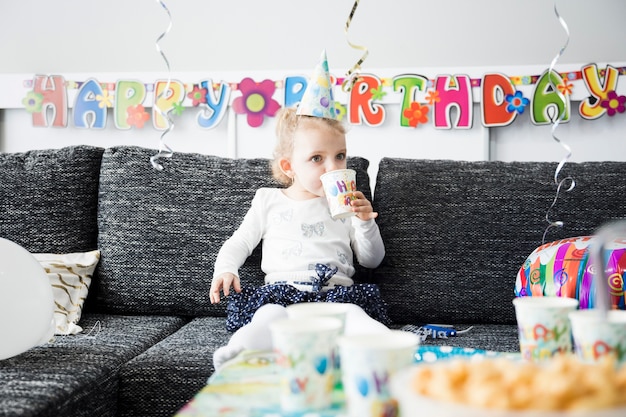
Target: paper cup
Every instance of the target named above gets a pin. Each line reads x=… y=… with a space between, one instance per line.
x=367 y=364
x=597 y=337
x=543 y=326
x=305 y=349
x=338 y=188
x=323 y=309
x=319 y=309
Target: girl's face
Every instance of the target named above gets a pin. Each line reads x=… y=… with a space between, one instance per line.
x=315 y=152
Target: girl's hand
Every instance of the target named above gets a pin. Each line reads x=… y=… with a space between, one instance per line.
x=223 y=282
x=362 y=207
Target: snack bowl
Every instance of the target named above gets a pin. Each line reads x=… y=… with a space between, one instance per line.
x=411 y=402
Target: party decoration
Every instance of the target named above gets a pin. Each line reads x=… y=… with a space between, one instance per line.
x=33 y=102
x=561 y=114
x=408 y=85
x=613 y=103
x=49 y=98
x=50 y=95
x=26 y=301
x=590 y=108
x=256 y=101
x=516 y=102
x=378 y=93
x=550 y=105
x=164 y=150
x=495 y=111
x=129 y=94
x=362 y=107
x=137 y=116
x=459 y=97
x=416 y=114
x=565 y=268
x=104 y=100
x=217 y=104
x=294 y=90
x=352 y=74
x=197 y=95
x=318 y=99
x=87 y=105
x=169 y=95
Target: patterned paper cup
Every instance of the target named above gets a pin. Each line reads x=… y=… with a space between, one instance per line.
x=597 y=337
x=323 y=309
x=543 y=325
x=338 y=187
x=367 y=364
x=305 y=349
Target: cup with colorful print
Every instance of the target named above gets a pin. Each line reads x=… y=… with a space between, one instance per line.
x=599 y=335
x=305 y=349
x=543 y=326
x=339 y=185
x=323 y=309
x=367 y=364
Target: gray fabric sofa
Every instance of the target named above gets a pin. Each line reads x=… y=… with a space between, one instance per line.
x=455 y=234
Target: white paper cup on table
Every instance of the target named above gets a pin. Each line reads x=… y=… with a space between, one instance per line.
x=367 y=364
x=319 y=309
x=305 y=349
x=338 y=188
x=323 y=309
x=543 y=326
x=598 y=336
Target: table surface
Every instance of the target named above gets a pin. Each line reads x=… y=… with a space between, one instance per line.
x=248 y=386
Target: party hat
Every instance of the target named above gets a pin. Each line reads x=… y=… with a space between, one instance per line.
x=317 y=99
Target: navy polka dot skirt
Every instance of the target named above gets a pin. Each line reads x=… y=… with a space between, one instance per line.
x=243 y=305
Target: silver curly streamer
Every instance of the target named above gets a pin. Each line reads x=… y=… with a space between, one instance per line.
x=164 y=150
x=555 y=123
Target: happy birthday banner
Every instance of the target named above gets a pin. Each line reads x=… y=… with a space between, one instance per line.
x=423 y=100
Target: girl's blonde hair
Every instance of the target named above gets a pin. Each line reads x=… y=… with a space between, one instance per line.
x=287 y=122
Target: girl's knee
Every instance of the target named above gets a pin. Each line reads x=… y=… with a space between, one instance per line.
x=359 y=322
x=269 y=312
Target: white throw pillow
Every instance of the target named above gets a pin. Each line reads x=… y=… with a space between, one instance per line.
x=70 y=276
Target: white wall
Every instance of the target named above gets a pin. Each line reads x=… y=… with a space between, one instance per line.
x=50 y=36
x=278 y=37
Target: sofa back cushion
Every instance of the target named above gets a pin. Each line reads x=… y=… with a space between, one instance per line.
x=48 y=198
x=456 y=233
x=160 y=231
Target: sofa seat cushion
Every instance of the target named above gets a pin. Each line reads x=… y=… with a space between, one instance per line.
x=161 y=230
x=48 y=198
x=162 y=379
x=457 y=232
x=77 y=375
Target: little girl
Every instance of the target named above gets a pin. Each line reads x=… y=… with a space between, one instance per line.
x=307 y=256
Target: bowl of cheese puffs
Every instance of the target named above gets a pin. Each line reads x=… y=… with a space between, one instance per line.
x=562 y=386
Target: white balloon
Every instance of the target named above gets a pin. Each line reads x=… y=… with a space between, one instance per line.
x=26 y=301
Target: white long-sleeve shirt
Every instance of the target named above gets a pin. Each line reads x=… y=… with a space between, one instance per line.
x=297 y=235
